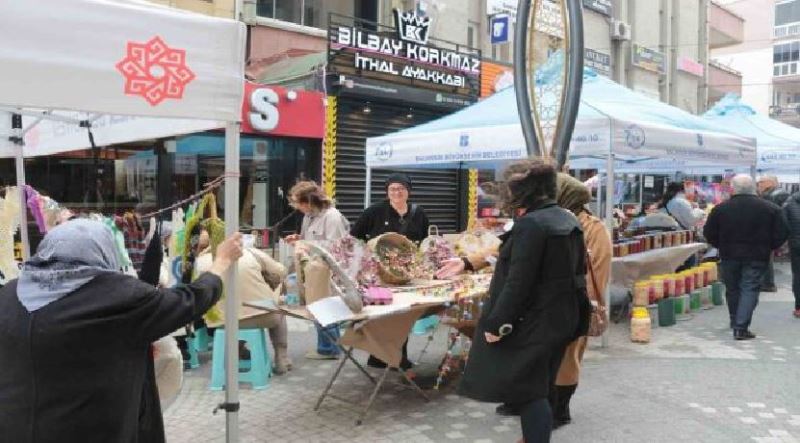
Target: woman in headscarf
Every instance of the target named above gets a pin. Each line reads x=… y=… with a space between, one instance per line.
x=75 y=334
x=573 y=196
x=537 y=303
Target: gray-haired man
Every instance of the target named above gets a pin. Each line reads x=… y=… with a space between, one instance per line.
x=745 y=229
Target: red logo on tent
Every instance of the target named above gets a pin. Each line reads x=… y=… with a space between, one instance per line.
x=155 y=71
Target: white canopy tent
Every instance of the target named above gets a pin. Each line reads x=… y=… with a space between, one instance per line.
x=126 y=58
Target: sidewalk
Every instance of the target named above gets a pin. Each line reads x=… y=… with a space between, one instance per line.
x=692 y=383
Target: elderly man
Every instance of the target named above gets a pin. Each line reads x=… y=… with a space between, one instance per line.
x=769 y=190
x=745 y=229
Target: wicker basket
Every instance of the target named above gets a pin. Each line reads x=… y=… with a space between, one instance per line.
x=388 y=242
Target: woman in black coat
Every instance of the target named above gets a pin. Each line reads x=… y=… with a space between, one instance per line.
x=537 y=302
x=75 y=335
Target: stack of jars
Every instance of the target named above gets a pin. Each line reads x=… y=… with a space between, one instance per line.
x=650 y=241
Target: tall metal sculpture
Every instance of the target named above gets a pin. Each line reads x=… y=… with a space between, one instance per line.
x=548 y=109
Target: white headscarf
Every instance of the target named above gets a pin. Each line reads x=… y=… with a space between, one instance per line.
x=69 y=256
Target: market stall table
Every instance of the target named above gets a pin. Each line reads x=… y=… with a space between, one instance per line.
x=382 y=330
x=625 y=271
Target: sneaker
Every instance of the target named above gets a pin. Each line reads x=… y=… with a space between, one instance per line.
x=743 y=335
x=314 y=355
x=797 y=313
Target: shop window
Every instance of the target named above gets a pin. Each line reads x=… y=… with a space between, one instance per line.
x=313 y=13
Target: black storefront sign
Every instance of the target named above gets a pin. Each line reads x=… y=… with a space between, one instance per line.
x=602 y=6
x=402 y=56
x=600 y=62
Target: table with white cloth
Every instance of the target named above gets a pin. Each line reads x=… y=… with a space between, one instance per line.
x=381 y=330
x=625 y=271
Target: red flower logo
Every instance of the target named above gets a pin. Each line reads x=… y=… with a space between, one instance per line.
x=155 y=71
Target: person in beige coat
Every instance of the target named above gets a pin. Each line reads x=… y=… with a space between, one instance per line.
x=259 y=278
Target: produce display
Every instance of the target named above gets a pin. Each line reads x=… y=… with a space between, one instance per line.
x=625 y=246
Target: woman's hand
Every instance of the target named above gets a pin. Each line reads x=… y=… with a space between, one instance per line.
x=227 y=253
x=450 y=268
x=292 y=239
x=491 y=338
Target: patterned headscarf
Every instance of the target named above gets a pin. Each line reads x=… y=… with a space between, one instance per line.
x=69 y=256
x=571 y=194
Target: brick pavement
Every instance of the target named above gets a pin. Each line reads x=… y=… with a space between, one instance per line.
x=692 y=383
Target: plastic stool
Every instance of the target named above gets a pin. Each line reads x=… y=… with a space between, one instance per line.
x=256 y=371
x=425 y=324
x=202 y=340
x=191 y=349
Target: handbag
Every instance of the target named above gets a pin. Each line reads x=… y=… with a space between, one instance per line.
x=598 y=322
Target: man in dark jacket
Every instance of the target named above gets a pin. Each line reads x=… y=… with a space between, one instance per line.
x=791 y=210
x=745 y=229
x=769 y=190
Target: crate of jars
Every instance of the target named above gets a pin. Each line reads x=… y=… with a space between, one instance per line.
x=651 y=241
x=668 y=297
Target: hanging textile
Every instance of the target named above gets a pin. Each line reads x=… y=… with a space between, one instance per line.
x=134 y=238
x=9 y=223
x=119 y=238
x=153 y=256
x=36 y=206
x=176 y=245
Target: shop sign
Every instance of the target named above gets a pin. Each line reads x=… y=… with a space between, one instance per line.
x=690 y=66
x=406 y=56
x=499 y=26
x=400 y=93
x=600 y=62
x=549 y=20
x=649 y=59
x=602 y=6
x=186 y=164
x=502 y=7
x=278 y=111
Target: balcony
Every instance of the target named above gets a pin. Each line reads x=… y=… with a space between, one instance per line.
x=724 y=27
x=722 y=80
x=789 y=114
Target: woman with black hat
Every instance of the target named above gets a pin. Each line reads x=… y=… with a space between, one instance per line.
x=395 y=214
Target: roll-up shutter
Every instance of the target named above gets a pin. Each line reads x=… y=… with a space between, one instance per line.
x=439 y=191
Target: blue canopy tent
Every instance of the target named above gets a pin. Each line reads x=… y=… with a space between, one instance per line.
x=778 y=143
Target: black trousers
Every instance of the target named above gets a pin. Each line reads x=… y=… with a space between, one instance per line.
x=795 y=255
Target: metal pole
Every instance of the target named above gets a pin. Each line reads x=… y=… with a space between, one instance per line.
x=14 y=136
x=521 y=78
x=368 y=193
x=641 y=192
x=231 y=299
x=610 y=227
x=572 y=98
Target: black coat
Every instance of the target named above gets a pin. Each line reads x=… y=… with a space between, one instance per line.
x=791 y=211
x=539 y=288
x=381 y=218
x=74 y=370
x=746 y=228
x=777 y=195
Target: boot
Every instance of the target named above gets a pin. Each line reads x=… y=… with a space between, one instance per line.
x=561 y=414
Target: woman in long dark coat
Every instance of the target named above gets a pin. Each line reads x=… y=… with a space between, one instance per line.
x=537 y=302
x=75 y=334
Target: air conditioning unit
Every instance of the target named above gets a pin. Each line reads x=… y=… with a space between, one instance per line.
x=620 y=30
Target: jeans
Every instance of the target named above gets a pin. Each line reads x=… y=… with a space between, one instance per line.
x=795 y=254
x=536 y=418
x=325 y=344
x=742 y=280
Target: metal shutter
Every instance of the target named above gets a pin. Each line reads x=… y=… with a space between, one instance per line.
x=439 y=191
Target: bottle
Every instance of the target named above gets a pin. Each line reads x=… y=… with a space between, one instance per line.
x=292 y=297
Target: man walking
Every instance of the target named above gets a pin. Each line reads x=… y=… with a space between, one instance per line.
x=745 y=229
x=769 y=190
x=791 y=211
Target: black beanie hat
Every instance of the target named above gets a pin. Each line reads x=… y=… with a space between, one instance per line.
x=398 y=178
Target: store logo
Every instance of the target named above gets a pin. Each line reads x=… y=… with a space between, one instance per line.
x=463 y=140
x=383 y=152
x=634 y=137
x=155 y=71
x=411 y=27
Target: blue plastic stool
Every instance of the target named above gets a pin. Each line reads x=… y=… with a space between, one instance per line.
x=256 y=371
x=191 y=349
x=425 y=324
x=202 y=340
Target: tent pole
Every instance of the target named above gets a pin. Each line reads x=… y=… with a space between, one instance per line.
x=641 y=192
x=610 y=227
x=231 y=405
x=14 y=122
x=368 y=190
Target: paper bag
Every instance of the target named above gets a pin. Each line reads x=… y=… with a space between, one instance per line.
x=316 y=280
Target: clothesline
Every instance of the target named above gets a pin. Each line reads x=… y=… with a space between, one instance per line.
x=210 y=186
